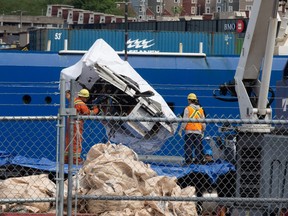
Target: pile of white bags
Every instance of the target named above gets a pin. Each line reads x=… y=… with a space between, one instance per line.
x=114 y=170
x=28 y=187
x=110 y=170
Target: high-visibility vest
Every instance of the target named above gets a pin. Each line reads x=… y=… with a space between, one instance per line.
x=194 y=114
x=81 y=107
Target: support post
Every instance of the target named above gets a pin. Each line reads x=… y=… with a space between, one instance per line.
x=60 y=180
x=126 y=28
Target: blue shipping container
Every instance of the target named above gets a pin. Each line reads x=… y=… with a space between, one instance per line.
x=138 y=41
x=224 y=43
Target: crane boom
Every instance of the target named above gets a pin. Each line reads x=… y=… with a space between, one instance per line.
x=256 y=55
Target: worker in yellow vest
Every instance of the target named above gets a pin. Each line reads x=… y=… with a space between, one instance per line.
x=194 y=131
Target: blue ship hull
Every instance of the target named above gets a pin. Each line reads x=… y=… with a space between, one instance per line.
x=30 y=87
x=35 y=75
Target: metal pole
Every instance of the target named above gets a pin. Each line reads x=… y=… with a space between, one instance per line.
x=60 y=201
x=21 y=20
x=126 y=28
x=201 y=47
x=20 y=16
x=70 y=150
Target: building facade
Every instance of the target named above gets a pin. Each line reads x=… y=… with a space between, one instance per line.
x=175 y=9
x=187 y=8
x=245 y=5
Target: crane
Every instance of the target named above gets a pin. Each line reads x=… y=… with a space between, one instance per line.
x=257 y=141
x=256 y=55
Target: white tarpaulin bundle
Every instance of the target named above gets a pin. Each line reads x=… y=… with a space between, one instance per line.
x=113 y=170
x=28 y=187
x=120 y=91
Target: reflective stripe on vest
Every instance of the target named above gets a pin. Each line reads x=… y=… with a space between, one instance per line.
x=75 y=155
x=81 y=107
x=78 y=101
x=194 y=114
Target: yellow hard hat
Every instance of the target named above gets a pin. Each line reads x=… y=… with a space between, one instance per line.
x=83 y=93
x=192 y=96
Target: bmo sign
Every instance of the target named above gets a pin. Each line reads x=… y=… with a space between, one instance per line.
x=229 y=27
x=240 y=25
x=234 y=25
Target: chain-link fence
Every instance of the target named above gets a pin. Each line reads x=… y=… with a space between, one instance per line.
x=136 y=165
x=246 y=175
x=28 y=163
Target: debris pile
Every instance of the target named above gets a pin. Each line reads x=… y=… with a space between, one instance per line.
x=110 y=170
x=114 y=170
x=28 y=187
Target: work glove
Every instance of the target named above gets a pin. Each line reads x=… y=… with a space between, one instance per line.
x=95 y=110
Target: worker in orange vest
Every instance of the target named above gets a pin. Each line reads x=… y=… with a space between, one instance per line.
x=194 y=131
x=81 y=109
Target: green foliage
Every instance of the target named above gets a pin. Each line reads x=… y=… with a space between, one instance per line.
x=39 y=7
x=28 y=7
x=104 y=6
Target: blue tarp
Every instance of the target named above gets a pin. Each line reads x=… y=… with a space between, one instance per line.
x=213 y=170
x=39 y=164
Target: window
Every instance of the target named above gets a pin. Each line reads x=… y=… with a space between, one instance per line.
x=218 y=9
x=193 y=10
x=193 y=1
x=175 y=10
x=158 y=9
x=208 y=1
x=230 y=8
x=140 y=9
x=176 y=1
x=208 y=10
x=230 y=1
x=248 y=7
x=218 y=1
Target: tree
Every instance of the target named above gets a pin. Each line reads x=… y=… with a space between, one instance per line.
x=104 y=6
x=39 y=7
